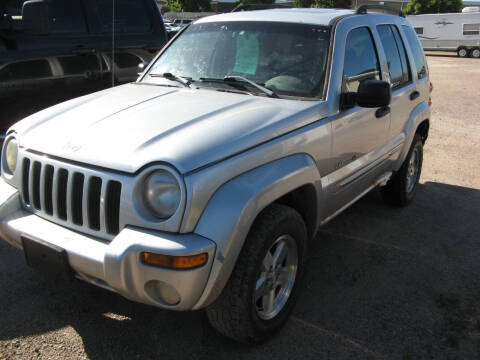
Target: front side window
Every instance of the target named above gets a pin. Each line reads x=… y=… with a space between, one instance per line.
x=395 y=54
x=361 y=60
x=418 y=56
x=289 y=59
x=419 y=30
x=471 y=29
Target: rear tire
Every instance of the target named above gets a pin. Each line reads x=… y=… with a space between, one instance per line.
x=462 y=52
x=265 y=282
x=475 y=53
x=400 y=189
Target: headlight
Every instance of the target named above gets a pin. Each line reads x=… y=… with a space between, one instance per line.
x=162 y=194
x=11 y=152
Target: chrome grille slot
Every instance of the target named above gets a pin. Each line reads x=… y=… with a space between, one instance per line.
x=112 y=206
x=62 y=194
x=94 y=193
x=71 y=196
x=25 y=181
x=35 y=181
x=77 y=194
x=47 y=189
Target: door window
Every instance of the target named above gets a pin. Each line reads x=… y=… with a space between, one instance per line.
x=395 y=54
x=361 y=60
x=26 y=70
x=79 y=65
x=418 y=56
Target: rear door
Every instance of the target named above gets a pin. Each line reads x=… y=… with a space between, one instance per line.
x=404 y=93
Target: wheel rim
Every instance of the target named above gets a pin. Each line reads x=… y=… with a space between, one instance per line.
x=413 y=170
x=462 y=52
x=476 y=53
x=277 y=277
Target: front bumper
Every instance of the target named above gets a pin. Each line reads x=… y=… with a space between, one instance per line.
x=115 y=265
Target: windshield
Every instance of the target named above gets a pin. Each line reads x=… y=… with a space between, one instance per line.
x=289 y=59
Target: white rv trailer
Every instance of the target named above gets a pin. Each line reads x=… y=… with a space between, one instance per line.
x=458 y=32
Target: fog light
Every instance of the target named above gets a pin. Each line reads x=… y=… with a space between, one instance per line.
x=173 y=262
x=163 y=292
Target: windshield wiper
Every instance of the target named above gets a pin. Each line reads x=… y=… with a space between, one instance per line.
x=172 y=77
x=229 y=79
x=269 y=92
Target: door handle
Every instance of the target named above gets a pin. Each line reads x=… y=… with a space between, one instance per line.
x=414 y=95
x=382 y=111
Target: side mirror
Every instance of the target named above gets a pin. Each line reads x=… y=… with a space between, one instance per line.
x=35 y=17
x=374 y=93
x=141 y=67
x=370 y=94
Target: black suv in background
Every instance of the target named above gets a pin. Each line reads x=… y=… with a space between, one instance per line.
x=55 y=50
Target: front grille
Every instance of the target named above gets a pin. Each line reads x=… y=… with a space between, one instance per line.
x=71 y=197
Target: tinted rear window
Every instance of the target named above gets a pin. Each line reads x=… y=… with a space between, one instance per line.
x=130 y=16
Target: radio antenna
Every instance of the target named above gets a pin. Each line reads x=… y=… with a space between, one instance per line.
x=113 y=43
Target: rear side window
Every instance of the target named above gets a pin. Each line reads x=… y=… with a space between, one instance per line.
x=361 y=60
x=130 y=16
x=418 y=56
x=419 y=30
x=395 y=53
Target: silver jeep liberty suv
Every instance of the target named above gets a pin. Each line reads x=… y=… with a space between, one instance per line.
x=199 y=185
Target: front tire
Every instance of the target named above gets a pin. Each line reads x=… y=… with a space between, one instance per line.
x=264 y=284
x=400 y=189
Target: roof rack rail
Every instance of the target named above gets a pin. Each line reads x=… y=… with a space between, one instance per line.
x=249 y=7
x=363 y=9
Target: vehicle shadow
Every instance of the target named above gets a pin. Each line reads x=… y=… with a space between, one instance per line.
x=381 y=283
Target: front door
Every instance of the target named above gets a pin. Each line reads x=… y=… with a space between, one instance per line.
x=358 y=133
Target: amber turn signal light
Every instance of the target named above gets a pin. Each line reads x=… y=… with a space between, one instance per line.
x=173 y=262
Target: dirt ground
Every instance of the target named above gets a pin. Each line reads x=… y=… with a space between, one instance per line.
x=382 y=283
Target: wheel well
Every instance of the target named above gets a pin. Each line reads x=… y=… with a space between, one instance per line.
x=303 y=200
x=422 y=130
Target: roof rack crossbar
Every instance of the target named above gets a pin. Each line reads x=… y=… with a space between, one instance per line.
x=363 y=9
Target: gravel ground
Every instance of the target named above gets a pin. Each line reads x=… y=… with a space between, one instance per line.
x=382 y=283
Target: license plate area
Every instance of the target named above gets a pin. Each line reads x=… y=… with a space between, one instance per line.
x=47 y=257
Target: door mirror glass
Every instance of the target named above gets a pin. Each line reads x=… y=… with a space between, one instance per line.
x=370 y=94
x=373 y=93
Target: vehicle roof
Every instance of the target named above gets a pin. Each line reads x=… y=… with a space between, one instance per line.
x=294 y=15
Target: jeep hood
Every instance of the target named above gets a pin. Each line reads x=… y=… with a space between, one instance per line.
x=130 y=126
